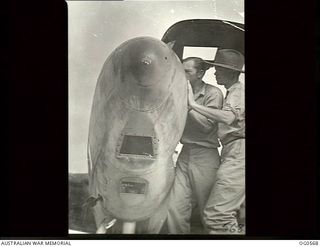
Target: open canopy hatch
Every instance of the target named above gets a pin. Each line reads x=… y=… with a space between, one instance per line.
x=205 y=33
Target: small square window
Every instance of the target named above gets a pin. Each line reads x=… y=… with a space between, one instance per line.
x=137 y=145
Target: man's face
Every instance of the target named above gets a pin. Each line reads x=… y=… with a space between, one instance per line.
x=191 y=72
x=223 y=75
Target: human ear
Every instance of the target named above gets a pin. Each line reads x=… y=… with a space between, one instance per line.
x=200 y=73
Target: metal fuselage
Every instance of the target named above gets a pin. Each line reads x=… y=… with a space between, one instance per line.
x=137 y=119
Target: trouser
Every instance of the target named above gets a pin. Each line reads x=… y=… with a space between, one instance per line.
x=195 y=174
x=228 y=192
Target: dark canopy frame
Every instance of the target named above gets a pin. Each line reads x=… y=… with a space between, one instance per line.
x=205 y=33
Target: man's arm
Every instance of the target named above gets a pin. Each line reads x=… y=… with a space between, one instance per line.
x=200 y=120
x=223 y=116
x=213 y=99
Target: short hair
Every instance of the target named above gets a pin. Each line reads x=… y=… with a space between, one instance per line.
x=199 y=63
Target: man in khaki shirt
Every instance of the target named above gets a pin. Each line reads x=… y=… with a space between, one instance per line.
x=228 y=192
x=199 y=159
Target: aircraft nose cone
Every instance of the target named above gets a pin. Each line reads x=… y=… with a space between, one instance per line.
x=146 y=67
x=145 y=70
x=147 y=61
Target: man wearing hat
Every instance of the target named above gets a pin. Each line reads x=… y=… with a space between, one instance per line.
x=228 y=192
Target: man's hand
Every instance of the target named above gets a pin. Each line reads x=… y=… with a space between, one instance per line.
x=191 y=101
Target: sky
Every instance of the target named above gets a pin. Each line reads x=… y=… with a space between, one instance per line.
x=96 y=28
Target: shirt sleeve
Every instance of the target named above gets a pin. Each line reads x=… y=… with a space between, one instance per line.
x=213 y=98
x=235 y=103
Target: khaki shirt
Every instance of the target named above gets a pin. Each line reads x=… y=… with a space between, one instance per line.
x=199 y=130
x=234 y=102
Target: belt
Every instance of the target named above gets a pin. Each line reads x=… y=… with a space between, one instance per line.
x=229 y=140
x=194 y=145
